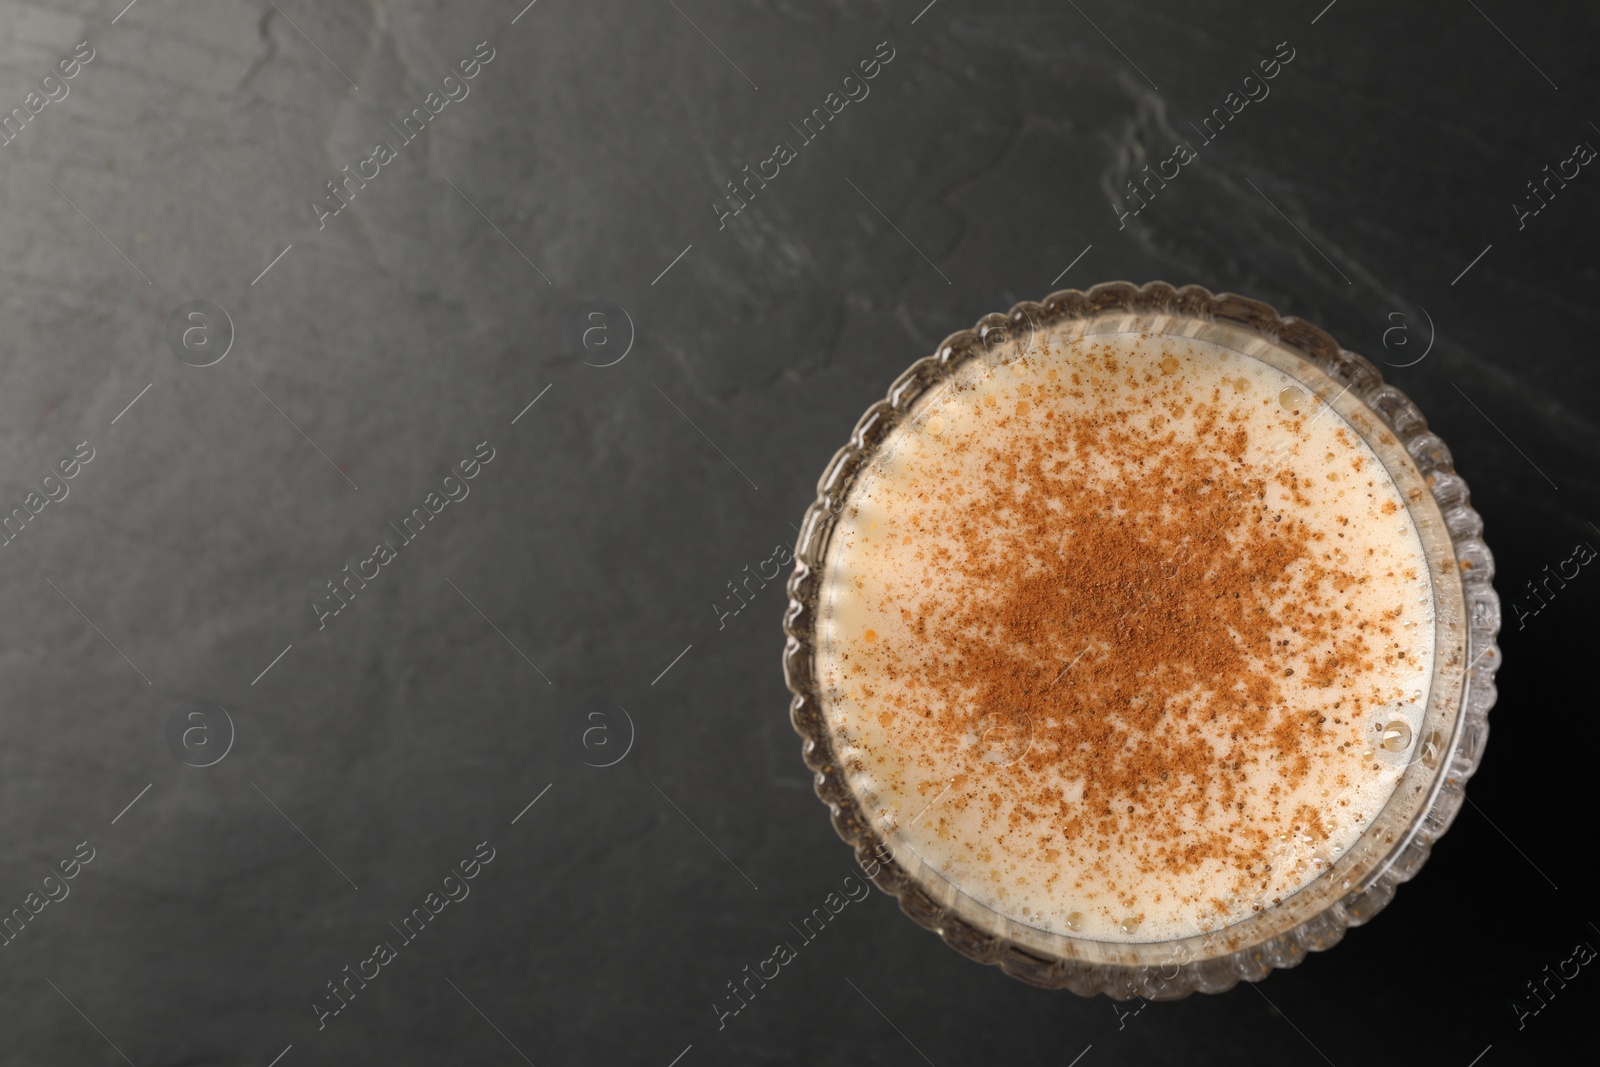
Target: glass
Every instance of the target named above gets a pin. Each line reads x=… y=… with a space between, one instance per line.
x=1450 y=741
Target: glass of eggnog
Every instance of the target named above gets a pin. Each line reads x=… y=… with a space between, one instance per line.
x=1142 y=640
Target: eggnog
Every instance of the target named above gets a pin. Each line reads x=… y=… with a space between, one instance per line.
x=1127 y=638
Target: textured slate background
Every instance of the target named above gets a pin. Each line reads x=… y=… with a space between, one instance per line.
x=594 y=547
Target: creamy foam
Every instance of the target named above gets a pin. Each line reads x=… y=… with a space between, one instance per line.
x=1127 y=638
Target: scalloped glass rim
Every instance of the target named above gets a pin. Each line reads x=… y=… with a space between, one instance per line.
x=1449 y=745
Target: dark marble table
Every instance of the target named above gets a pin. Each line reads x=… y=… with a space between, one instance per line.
x=539 y=275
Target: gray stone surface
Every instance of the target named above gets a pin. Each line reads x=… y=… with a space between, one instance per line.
x=472 y=674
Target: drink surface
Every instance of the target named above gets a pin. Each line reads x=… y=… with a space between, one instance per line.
x=1127 y=638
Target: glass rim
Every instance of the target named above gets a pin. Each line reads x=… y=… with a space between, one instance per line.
x=1447 y=747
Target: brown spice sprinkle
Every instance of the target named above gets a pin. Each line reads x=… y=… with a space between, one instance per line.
x=1131 y=632
x=1167 y=588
